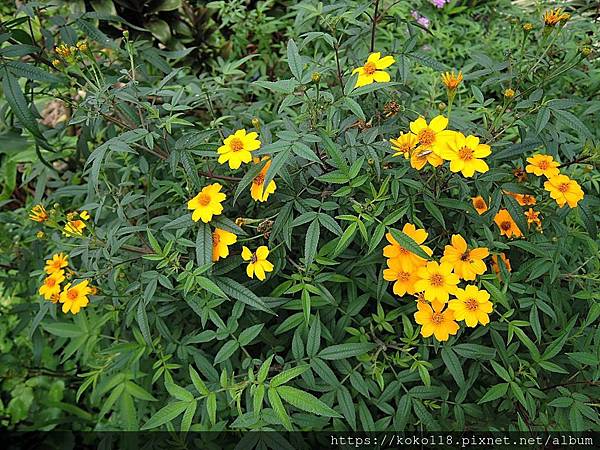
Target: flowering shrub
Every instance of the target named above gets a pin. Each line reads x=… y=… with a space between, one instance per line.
x=352 y=233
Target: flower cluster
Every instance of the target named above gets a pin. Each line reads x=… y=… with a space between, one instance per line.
x=73 y=297
x=72 y=224
x=562 y=188
x=68 y=53
x=433 y=282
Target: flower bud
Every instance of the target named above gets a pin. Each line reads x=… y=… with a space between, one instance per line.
x=586 y=51
x=442 y=106
x=509 y=93
x=527 y=27
x=126 y=34
x=316 y=77
x=256 y=122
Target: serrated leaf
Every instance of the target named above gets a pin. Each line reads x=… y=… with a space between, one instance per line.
x=408 y=243
x=235 y=290
x=306 y=402
x=165 y=414
x=345 y=351
x=288 y=375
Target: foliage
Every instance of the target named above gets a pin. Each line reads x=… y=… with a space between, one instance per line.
x=114 y=136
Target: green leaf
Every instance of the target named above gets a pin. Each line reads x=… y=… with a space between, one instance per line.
x=249 y=334
x=311 y=242
x=288 y=375
x=495 y=392
x=516 y=212
x=165 y=414
x=32 y=72
x=453 y=364
x=354 y=107
x=475 y=351
x=277 y=163
x=408 y=243
x=226 y=351
x=345 y=351
x=235 y=290
x=211 y=407
x=294 y=60
x=204 y=245
x=515 y=151
x=209 y=286
x=263 y=372
x=279 y=409
x=197 y=381
x=63 y=329
x=306 y=402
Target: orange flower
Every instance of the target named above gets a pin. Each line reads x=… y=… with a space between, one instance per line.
x=533 y=217
x=436 y=321
x=542 y=165
x=404 y=280
x=408 y=260
x=522 y=199
x=564 y=190
x=479 y=204
x=507 y=225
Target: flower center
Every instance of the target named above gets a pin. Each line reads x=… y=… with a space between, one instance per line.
x=543 y=165
x=471 y=304
x=436 y=280
x=216 y=239
x=426 y=136
x=260 y=179
x=204 y=199
x=72 y=294
x=254 y=258
x=465 y=153
x=564 y=187
x=236 y=144
x=479 y=204
x=403 y=276
x=370 y=68
x=506 y=225
x=466 y=256
x=437 y=318
x=50 y=282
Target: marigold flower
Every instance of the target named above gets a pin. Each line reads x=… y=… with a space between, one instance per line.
x=84 y=215
x=56 y=264
x=404 y=144
x=467 y=263
x=509 y=93
x=257 y=188
x=38 y=214
x=207 y=203
x=522 y=199
x=505 y=262
x=555 y=16
x=471 y=305
x=533 y=217
x=258 y=262
x=436 y=281
x=542 y=165
x=464 y=153
x=404 y=280
x=237 y=148
x=74 y=228
x=407 y=259
x=564 y=190
x=452 y=80
x=434 y=320
x=373 y=71
x=51 y=286
x=479 y=204
x=75 y=297
x=432 y=138
x=221 y=240
x=506 y=224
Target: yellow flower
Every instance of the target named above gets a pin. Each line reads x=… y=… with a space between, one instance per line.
x=74 y=228
x=407 y=259
x=257 y=189
x=40 y=235
x=404 y=144
x=509 y=93
x=373 y=71
x=404 y=280
x=507 y=224
x=451 y=80
x=207 y=203
x=542 y=165
x=479 y=204
x=471 y=305
x=74 y=298
x=464 y=153
x=553 y=17
x=533 y=217
x=564 y=190
x=237 y=148
x=258 y=262
x=436 y=321
x=505 y=262
x=522 y=199
x=84 y=215
x=56 y=264
x=51 y=286
x=466 y=263
x=221 y=239
x=64 y=51
x=436 y=281
x=528 y=26
x=38 y=214
x=432 y=138
x=82 y=46
x=56 y=63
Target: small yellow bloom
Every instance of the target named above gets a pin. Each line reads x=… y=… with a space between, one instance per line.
x=436 y=321
x=522 y=199
x=507 y=224
x=74 y=228
x=237 y=148
x=542 y=165
x=533 y=217
x=479 y=204
x=82 y=46
x=40 y=235
x=56 y=63
x=221 y=240
x=464 y=153
x=64 y=51
x=452 y=80
x=432 y=138
x=509 y=93
x=258 y=262
x=471 y=305
x=404 y=144
x=555 y=16
x=84 y=215
x=564 y=190
x=436 y=281
x=38 y=214
x=404 y=280
x=528 y=27
x=373 y=71
x=51 y=286
x=207 y=203
x=467 y=263
x=257 y=189
x=56 y=264
x=75 y=297
x=408 y=260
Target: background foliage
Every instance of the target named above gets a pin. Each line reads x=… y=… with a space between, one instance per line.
x=129 y=132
